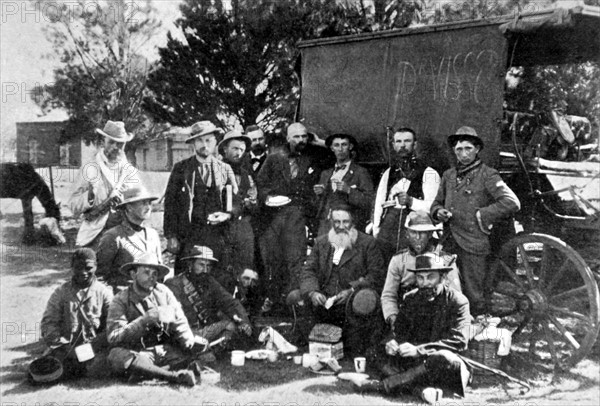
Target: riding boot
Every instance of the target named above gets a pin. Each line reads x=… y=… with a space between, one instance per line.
x=144 y=367
x=401 y=380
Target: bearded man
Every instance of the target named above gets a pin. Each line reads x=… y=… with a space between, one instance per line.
x=341 y=280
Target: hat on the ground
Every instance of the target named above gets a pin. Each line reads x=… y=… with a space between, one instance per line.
x=329 y=140
x=202 y=128
x=419 y=221
x=46 y=369
x=145 y=259
x=84 y=256
x=364 y=302
x=430 y=262
x=115 y=130
x=296 y=129
x=236 y=135
x=136 y=194
x=465 y=133
x=200 y=252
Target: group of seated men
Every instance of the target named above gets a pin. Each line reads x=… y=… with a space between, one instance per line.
x=215 y=210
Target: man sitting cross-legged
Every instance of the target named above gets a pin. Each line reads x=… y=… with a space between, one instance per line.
x=148 y=329
x=203 y=298
x=431 y=327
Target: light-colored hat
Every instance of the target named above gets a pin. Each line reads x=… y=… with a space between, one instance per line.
x=136 y=194
x=200 y=252
x=146 y=259
x=419 y=221
x=202 y=128
x=296 y=129
x=430 y=262
x=115 y=130
x=236 y=135
x=365 y=302
x=465 y=132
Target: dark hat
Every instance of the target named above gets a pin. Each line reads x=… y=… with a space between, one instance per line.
x=465 y=133
x=202 y=128
x=46 y=369
x=115 y=130
x=136 y=194
x=430 y=262
x=364 y=302
x=236 y=135
x=85 y=256
x=200 y=252
x=329 y=140
x=145 y=259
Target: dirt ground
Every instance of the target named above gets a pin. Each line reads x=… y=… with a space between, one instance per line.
x=29 y=275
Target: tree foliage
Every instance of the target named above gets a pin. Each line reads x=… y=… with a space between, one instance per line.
x=102 y=75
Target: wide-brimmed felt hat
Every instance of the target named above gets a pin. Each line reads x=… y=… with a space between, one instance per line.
x=364 y=302
x=236 y=135
x=200 y=252
x=419 y=221
x=202 y=128
x=430 y=262
x=136 y=194
x=115 y=130
x=146 y=259
x=329 y=140
x=465 y=132
x=46 y=369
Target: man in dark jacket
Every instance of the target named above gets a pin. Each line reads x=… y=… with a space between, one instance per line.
x=471 y=198
x=285 y=185
x=197 y=207
x=344 y=265
x=432 y=326
x=347 y=182
x=203 y=298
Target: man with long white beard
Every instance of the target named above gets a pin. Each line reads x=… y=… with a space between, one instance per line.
x=342 y=279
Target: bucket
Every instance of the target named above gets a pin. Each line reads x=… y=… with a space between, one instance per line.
x=84 y=352
x=238 y=358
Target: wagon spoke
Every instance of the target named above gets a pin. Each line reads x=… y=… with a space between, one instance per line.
x=521 y=326
x=544 y=264
x=568 y=313
x=558 y=276
x=504 y=290
x=550 y=341
x=570 y=294
x=512 y=275
x=526 y=264
x=564 y=332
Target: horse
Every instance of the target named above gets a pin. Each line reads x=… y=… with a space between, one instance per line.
x=20 y=181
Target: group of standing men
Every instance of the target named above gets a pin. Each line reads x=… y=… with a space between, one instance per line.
x=250 y=213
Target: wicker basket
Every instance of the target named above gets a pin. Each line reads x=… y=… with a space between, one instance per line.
x=485 y=352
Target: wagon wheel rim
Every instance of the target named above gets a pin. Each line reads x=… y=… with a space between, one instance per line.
x=548 y=297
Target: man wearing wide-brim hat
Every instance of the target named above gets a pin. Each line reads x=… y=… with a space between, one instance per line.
x=472 y=197
x=101 y=183
x=211 y=310
x=131 y=238
x=432 y=326
x=197 y=192
x=399 y=280
x=147 y=327
x=346 y=182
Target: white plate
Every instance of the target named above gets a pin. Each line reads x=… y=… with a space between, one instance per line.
x=258 y=354
x=218 y=217
x=349 y=376
x=277 y=201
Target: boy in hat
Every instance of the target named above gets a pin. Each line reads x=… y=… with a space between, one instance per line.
x=147 y=328
x=399 y=280
x=76 y=315
x=347 y=182
x=101 y=183
x=203 y=299
x=432 y=326
x=471 y=198
x=195 y=194
x=130 y=239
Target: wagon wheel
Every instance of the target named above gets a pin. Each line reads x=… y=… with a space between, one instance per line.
x=547 y=295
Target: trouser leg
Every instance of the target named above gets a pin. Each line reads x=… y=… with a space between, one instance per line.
x=473 y=269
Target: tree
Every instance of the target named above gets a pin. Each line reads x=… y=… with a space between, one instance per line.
x=103 y=74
